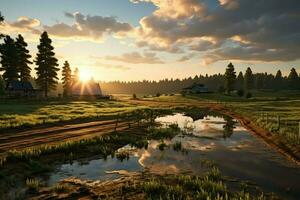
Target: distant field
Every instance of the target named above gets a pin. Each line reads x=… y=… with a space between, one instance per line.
x=21 y=113
x=278 y=112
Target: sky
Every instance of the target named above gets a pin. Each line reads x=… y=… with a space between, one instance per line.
x=156 y=39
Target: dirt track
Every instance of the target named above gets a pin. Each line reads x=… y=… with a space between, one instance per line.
x=23 y=139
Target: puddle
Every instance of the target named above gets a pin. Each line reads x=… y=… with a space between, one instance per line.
x=236 y=152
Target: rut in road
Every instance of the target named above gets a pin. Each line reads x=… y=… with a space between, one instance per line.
x=57 y=134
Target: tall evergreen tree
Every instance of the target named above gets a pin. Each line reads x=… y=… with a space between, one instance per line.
x=1 y=20
x=278 y=80
x=240 y=81
x=75 y=78
x=46 y=65
x=2 y=86
x=23 y=57
x=230 y=78
x=293 y=79
x=66 y=78
x=248 y=80
x=8 y=59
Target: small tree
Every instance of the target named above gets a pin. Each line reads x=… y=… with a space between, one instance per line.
x=66 y=78
x=8 y=59
x=1 y=21
x=293 y=79
x=23 y=57
x=2 y=86
x=240 y=81
x=46 y=65
x=278 y=80
x=248 y=80
x=75 y=78
x=230 y=78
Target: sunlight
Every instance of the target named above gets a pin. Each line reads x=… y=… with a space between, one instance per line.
x=85 y=75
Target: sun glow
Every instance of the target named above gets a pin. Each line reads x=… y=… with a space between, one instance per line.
x=85 y=75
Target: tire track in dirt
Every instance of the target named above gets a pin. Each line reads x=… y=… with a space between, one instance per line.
x=58 y=134
x=54 y=129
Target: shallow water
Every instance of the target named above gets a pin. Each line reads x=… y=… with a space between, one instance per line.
x=236 y=152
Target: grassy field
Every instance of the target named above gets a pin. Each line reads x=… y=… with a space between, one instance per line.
x=21 y=113
x=277 y=112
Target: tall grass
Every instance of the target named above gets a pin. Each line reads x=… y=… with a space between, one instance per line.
x=185 y=187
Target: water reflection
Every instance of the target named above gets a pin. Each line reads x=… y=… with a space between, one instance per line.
x=220 y=139
x=228 y=127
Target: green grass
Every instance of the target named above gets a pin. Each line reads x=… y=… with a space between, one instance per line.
x=60 y=188
x=164 y=132
x=33 y=185
x=186 y=187
x=20 y=113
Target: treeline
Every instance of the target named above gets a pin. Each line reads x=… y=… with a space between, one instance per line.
x=224 y=83
x=15 y=64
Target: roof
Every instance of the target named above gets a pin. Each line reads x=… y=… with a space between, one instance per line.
x=86 y=89
x=19 y=85
x=197 y=85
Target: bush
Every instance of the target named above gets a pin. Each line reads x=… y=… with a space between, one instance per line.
x=158 y=94
x=221 y=89
x=183 y=93
x=248 y=95
x=33 y=185
x=133 y=96
x=240 y=93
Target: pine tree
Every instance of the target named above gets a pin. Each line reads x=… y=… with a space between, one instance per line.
x=248 y=80
x=293 y=79
x=2 y=86
x=23 y=57
x=75 y=78
x=240 y=81
x=66 y=78
x=278 y=80
x=46 y=65
x=8 y=60
x=230 y=78
x=1 y=20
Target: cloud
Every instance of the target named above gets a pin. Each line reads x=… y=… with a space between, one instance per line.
x=137 y=58
x=186 y=57
x=23 y=24
x=89 y=27
x=262 y=30
x=110 y=66
x=92 y=28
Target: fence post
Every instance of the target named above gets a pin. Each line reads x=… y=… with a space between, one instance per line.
x=278 y=121
x=117 y=122
x=299 y=132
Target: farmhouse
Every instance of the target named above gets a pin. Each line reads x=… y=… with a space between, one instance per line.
x=196 y=89
x=21 y=89
x=89 y=89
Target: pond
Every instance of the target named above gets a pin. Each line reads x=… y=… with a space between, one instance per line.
x=236 y=152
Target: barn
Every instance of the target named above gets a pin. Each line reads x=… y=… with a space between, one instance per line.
x=21 y=89
x=196 y=88
x=89 y=89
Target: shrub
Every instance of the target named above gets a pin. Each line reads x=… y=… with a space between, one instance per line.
x=248 y=95
x=60 y=188
x=33 y=184
x=240 y=93
x=134 y=96
x=162 y=146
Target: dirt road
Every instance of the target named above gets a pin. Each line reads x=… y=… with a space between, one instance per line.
x=51 y=135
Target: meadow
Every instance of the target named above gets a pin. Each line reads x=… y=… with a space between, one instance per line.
x=29 y=113
x=277 y=112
